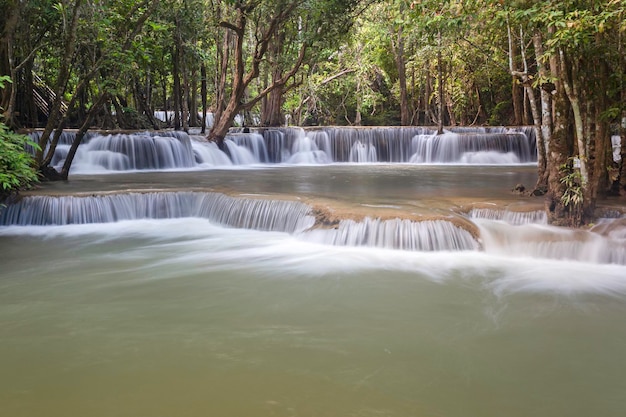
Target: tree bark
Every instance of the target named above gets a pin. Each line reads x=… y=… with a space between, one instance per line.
x=272 y=110
x=241 y=78
x=203 y=94
x=440 y=80
x=546 y=90
x=64 y=73
x=398 y=52
x=7 y=64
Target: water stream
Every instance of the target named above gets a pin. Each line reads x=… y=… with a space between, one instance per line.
x=217 y=291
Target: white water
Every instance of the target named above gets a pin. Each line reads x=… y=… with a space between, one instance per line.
x=503 y=233
x=160 y=309
x=509 y=216
x=182 y=317
x=437 y=235
x=176 y=151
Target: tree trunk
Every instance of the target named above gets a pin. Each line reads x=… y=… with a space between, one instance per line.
x=80 y=134
x=64 y=73
x=203 y=94
x=398 y=52
x=272 y=111
x=428 y=91
x=559 y=213
x=223 y=57
x=241 y=78
x=572 y=91
x=440 y=80
x=176 y=93
x=7 y=64
x=546 y=90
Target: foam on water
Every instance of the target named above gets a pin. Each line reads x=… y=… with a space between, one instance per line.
x=541 y=241
x=174 y=150
x=509 y=216
x=174 y=247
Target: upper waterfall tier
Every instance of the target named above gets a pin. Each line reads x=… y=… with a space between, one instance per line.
x=170 y=150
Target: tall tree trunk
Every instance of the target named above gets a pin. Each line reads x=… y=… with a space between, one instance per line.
x=546 y=92
x=398 y=52
x=193 y=98
x=11 y=13
x=559 y=162
x=203 y=94
x=223 y=57
x=272 y=111
x=176 y=96
x=526 y=81
x=572 y=90
x=428 y=91
x=64 y=74
x=440 y=80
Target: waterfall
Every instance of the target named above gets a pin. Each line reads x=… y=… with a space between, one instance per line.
x=259 y=214
x=247 y=147
x=511 y=217
x=429 y=235
x=541 y=241
x=311 y=149
x=473 y=148
x=160 y=150
x=169 y=150
x=363 y=153
x=522 y=236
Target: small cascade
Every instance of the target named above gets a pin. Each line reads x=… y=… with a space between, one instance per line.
x=510 y=217
x=162 y=150
x=311 y=149
x=258 y=214
x=473 y=148
x=363 y=153
x=207 y=154
x=540 y=241
x=253 y=143
x=430 y=235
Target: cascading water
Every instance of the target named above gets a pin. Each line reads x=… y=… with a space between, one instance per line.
x=509 y=216
x=541 y=241
x=526 y=234
x=169 y=150
x=428 y=235
x=475 y=148
x=258 y=214
x=501 y=232
x=308 y=321
x=165 y=150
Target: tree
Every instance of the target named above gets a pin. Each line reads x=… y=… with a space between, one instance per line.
x=317 y=23
x=578 y=71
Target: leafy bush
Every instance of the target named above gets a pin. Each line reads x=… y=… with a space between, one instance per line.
x=16 y=169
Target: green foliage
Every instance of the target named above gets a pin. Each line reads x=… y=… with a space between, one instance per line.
x=16 y=170
x=573 y=196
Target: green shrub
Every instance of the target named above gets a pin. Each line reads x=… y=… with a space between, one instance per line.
x=16 y=165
